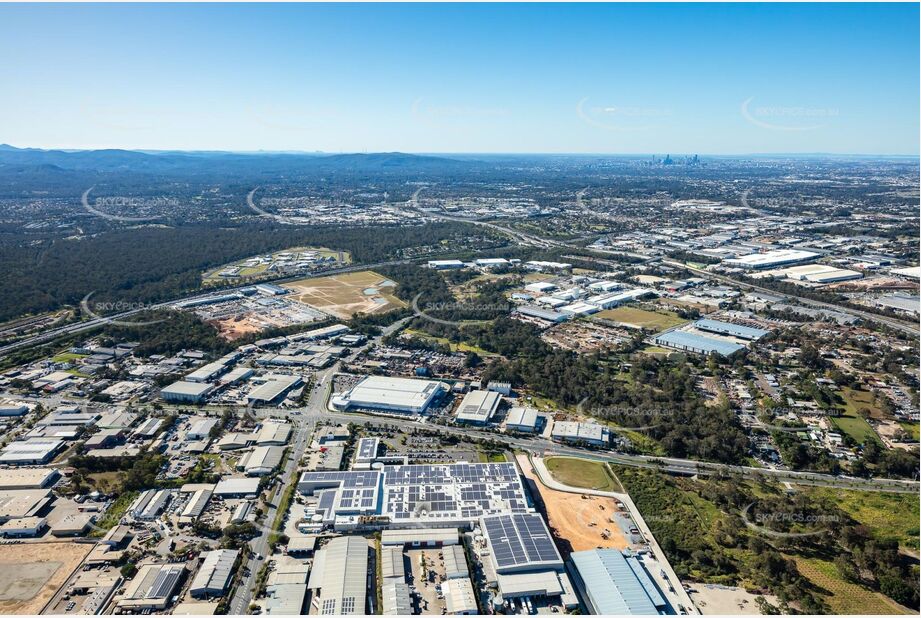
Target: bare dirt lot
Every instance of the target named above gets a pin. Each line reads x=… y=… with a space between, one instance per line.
x=727 y=601
x=347 y=294
x=571 y=516
x=30 y=573
x=233 y=328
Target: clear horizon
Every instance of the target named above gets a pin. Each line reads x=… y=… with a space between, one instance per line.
x=619 y=79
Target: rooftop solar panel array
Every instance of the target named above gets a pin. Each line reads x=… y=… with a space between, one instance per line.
x=445 y=492
x=367 y=449
x=348 y=492
x=165 y=582
x=520 y=540
x=452 y=491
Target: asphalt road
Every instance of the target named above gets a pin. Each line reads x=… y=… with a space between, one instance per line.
x=542 y=446
x=305 y=421
x=530 y=239
x=303 y=428
x=93 y=323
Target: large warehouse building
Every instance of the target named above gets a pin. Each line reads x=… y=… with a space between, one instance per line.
x=186 y=392
x=27 y=478
x=31 y=451
x=261 y=461
x=403 y=395
x=524 y=559
x=213 y=578
x=478 y=407
x=339 y=577
x=20 y=503
x=152 y=588
x=733 y=330
x=611 y=583
x=697 y=343
x=272 y=388
x=414 y=496
x=576 y=433
x=771 y=259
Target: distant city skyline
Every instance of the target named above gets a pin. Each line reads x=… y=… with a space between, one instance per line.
x=632 y=79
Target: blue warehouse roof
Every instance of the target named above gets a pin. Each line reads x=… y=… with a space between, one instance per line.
x=727 y=328
x=693 y=342
x=611 y=586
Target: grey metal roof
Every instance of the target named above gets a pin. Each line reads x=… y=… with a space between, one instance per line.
x=215 y=572
x=693 y=342
x=610 y=585
x=396 y=599
x=728 y=328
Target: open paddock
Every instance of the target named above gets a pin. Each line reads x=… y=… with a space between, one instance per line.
x=31 y=573
x=347 y=294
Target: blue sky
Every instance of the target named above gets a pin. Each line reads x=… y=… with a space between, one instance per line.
x=617 y=78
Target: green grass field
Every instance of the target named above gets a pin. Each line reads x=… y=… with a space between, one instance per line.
x=643 y=443
x=851 y=422
x=855 y=427
x=887 y=516
x=844 y=597
x=67 y=357
x=581 y=473
x=854 y=400
x=106 y=482
x=455 y=347
x=649 y=320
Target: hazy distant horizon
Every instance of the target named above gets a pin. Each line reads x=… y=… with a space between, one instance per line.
x=859 y=155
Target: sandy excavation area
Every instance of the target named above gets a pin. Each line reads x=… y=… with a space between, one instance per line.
x=580 y=521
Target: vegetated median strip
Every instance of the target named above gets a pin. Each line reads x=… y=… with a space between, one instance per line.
x=280 y=513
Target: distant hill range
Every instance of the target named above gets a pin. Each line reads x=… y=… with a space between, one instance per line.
x=195 y=163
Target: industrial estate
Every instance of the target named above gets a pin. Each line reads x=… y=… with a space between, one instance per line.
x=337 y=448
x=274 y=380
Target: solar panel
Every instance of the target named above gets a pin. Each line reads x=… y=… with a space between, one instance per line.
x=163 y=584
x=520 y=539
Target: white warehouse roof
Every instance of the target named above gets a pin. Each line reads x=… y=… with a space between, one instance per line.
x=478 y=406
x=274 y=432
x=387 y=393
x=522 y=417
x=771 y=258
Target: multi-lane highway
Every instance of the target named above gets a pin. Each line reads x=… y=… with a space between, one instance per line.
x=124 y=316
x=317 y=411
x=536 y=241
x=901 y=325
x=412 y=204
